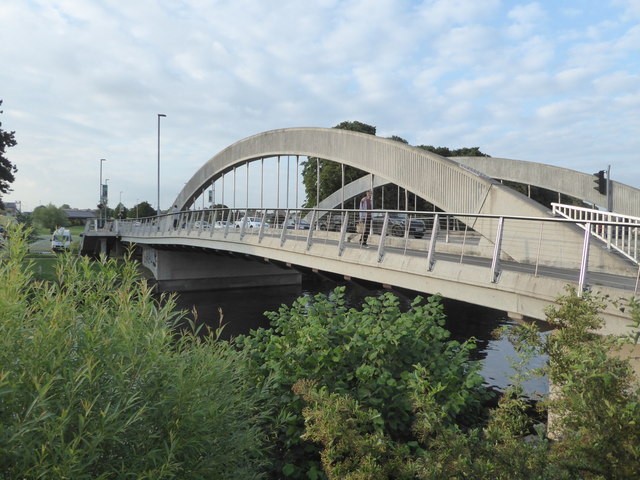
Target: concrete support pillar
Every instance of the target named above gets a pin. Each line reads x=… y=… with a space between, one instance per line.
x=190 y=271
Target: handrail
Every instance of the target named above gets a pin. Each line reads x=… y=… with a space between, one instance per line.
x=416 y=234
x=619 y=232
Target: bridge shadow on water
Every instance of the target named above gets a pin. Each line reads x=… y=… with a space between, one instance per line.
x=243 y=310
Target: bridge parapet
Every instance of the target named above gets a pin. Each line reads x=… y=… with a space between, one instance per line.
x=522 y=240
x=619 y=232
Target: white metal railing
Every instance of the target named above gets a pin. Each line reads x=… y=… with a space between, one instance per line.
x=619 y=232
x=530 y=244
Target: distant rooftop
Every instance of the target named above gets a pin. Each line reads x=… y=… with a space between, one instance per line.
x=76 y=214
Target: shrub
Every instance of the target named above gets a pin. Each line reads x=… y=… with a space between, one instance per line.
x=595 y=403
x=377 y=354
x=94 y=383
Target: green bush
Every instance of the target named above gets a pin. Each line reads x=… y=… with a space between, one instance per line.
x=379 y=355
x=95 y=383
x=595 y=406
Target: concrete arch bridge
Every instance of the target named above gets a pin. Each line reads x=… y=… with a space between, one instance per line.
x=511 y=253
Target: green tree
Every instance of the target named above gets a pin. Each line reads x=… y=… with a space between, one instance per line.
x=50 y=217
x=460 y=152
x=120 y=211
x=140 y=210
x=7 y=169
x=595 y=412
x=96 y=383
x=330 y=178
x=398 y=139
x=374 y=354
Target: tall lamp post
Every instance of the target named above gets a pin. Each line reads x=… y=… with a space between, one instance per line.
x=158 y=204
x=101 y=194
x=105 y=198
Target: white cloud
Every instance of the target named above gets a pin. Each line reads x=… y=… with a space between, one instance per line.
x=525 y=20
x=84 y=80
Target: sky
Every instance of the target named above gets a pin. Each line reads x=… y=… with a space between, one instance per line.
x=552 y=81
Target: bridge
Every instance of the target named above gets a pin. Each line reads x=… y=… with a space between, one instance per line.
x=485 y=244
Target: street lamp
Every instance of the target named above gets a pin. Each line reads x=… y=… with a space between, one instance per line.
x=100 y=195
x=158 y=204
x=105 y=198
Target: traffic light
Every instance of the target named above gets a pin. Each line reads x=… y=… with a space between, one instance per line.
x=601 y=182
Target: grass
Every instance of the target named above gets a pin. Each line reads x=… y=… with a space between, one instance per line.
x=43 y=259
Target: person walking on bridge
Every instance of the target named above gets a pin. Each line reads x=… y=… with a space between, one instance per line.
x=176 y=216
x=366 y=205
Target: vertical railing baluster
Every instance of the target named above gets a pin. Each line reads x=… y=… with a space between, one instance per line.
x=383 y=235
x=584 y=263
x=495 y=262
x=312 y=227
x=535 y=274
x=283 y=236
x=432 y=241
x=343 y=232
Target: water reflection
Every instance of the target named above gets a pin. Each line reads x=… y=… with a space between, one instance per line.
x=243 y=310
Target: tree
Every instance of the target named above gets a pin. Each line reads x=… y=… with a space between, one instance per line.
x=7 y=169
x=142 y=209
x=460 y=152
x=330 y=178
x=120 y=211
x=50 y=217
x=595 y=406
x=378 y=355
x=398 y=139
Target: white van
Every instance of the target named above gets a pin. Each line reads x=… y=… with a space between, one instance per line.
x=61 y=240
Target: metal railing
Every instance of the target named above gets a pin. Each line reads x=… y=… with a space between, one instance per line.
x=540 y=246
x=618 y=232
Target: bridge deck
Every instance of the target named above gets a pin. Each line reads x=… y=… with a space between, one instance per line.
x=459 y=264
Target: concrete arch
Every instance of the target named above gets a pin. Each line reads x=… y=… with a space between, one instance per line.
x=452 y=186
x=625 y=199
x=449 y=185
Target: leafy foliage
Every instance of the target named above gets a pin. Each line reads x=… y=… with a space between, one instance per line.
x=142 y=209
x=50 y=217
x=379 y=355
x=330 y=177
x=594 y=416
x=7 y=169
x=596 y=402
x=94 y=383
x=459 y=152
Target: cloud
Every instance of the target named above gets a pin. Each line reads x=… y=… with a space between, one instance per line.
x=85 y=80
x=525 y=20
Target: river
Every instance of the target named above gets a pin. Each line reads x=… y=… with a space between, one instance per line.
x=243 y=310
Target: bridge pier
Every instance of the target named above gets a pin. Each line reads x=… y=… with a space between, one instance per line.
x=198 y=270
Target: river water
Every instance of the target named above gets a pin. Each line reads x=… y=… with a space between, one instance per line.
x=243 y=310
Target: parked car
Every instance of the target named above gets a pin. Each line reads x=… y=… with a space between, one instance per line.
x=198 y=225
x=61 y=240
x=332 y=222
x=252 y=222
x=397 y=225
x=222 y=224
x=300 y=224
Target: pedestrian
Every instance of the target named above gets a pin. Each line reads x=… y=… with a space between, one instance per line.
x=175 y=211
x=366 y=205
